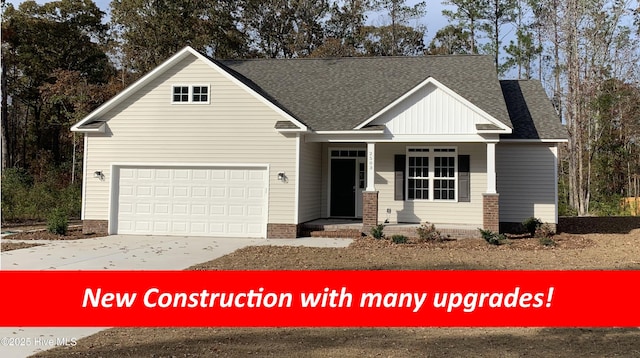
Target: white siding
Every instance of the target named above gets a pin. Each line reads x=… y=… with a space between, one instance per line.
x=310 y=181
x=438 y=212
x=526 y=182
x=234 y=128
x=431 y=111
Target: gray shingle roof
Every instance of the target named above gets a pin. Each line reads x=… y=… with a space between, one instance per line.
x=340 y=94
x=531 y=111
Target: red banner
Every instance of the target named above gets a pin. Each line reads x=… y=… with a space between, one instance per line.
x=320 y=298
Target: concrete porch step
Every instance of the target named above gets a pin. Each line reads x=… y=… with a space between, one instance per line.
x=339 y=233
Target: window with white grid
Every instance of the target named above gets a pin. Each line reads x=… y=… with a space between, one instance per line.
x=194 y=94
x=431 y=173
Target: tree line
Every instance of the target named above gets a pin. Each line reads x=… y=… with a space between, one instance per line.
x=62 y=59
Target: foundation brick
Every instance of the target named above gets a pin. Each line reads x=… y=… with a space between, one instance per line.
x=491 y=212
x=282 y=231
x=369 y=210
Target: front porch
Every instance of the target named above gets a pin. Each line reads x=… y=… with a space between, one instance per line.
x=359 y=185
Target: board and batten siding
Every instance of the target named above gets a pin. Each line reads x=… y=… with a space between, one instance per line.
x=234 y=128
x=526 y=182
x=447 y=114
x=310 y=196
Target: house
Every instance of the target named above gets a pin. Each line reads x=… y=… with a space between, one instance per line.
x=256 y=148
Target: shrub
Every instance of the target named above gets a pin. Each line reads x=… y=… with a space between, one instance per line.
x=427 y=232
x=531 y=225
x=493 y=238
x=544 y=231
x=57 y=223
x=26 y=198
x=547 y=241
x=399 y=239
x=377 y=232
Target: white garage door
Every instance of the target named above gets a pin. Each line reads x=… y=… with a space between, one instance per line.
x=193 y=201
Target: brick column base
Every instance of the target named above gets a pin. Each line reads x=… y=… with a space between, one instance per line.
x=95 y=227
x=369 y=210
x=491 y=212
x=282 y=231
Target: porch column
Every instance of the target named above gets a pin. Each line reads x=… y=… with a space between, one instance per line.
x=371 y=166
x=491 y=199
x=370 y=195
x=491 y=168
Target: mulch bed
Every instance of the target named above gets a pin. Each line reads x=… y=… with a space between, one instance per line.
x=74 y=233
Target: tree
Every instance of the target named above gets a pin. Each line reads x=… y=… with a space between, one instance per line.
x=496 y=13
x=523 y=51
x=400 y=41
x=284 y=28
x=344 y=30
x=593 y=46
x=468 y=15
x=38 y=41
x=397 y=38
x=451 y=40
x=150 y=31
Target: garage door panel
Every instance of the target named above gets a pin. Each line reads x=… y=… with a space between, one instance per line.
x=199 y=192
x=142 y=225
x=198 y=209
x=192 y=201
x=160 y=226
x=180 y=192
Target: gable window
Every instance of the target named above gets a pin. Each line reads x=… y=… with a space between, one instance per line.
x=190 y=94
x=200 y=94
x=431 y=174
x=180 y=94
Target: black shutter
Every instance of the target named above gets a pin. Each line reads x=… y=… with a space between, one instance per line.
x=464 y=178
x=400 y=162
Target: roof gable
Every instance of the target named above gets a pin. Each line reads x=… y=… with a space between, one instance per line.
x=94 y=123
x=432 y=108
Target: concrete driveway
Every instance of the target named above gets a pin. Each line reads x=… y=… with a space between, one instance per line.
x=120 y=252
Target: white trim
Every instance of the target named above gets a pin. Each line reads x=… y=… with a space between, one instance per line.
x=84 y=177
x=190 y=94
x=189 y=165
x=371 y=167
x=491 y=168
x=113 y=188
x=296 y=199
x=156 y=72
x=447 y=90
x=290 y=130
x=100 y=129
x=355 y=132
x=407 y=138
x=432 y=178
x=534 y=140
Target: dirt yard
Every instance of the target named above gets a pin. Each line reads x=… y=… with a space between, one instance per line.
x=609 y=248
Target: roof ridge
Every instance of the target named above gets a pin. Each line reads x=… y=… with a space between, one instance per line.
x=349 y=58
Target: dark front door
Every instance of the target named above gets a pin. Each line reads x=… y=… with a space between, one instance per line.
x=343 y=187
